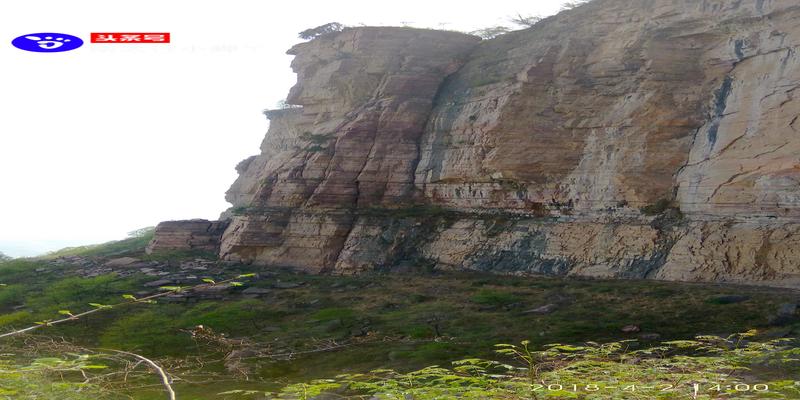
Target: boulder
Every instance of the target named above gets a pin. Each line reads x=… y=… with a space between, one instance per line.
x=159 y=283
x=630 y=329
x=649 y=336
x=121 y=262
x=256 y=291
x=197 y=234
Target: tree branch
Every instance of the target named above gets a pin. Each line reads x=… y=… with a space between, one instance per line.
x=165 y=380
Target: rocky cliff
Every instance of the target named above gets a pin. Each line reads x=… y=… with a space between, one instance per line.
x=624 y=139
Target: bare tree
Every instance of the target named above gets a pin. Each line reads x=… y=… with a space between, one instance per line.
x=526 y=21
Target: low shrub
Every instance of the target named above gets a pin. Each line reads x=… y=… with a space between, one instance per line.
x=494 y=298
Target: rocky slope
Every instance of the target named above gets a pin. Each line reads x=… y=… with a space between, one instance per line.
x=631 y=139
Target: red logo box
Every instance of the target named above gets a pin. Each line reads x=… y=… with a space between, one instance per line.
x=130 y=37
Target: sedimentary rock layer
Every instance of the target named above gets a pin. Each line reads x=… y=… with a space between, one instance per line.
x=630 y=139
x=366 y=95
x=197 y=234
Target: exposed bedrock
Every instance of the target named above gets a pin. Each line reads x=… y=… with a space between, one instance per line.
x=196 y=234
x=537 y=151
x=366 y=95
x=721 y=251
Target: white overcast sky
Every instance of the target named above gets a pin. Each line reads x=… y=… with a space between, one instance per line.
x=108 y=138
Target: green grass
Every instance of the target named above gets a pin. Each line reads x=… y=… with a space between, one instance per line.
x=421 y=319
x=152 y=332
x=329 y=314
x=45 y=378
x=495 y=298
x=134 y=244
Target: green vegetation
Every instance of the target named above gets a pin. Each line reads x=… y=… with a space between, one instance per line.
x=136 y=242
x=318 y=139
x=319 y=142
x=707 y=367
x=152 y=332
x=329 y=314
x=73 y=292
x=424 y=319
x=494 y=298
x=321 y=30
x=659 y=207
x=240 y=210
x=512 y=185
x=47 y=378
x=305 y=327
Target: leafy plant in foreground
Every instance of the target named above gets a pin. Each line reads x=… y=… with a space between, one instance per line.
x=708 y=367
x=43 y=378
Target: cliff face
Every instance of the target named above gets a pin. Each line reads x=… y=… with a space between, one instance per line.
x=366 y=95
x=535 y=152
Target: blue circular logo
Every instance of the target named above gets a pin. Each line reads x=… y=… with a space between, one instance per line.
x=47 y=42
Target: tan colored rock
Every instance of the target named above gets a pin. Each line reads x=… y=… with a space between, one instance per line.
x=526 y=245
x=121 y=262
x=745 y=158
x=196 y=234
x=736 y=252
x=534 y=152
x=605 y=104
x=366 y=94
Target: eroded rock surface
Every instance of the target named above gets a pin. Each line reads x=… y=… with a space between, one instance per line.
x=197 y=234
x=535 y=152
x=366 y=95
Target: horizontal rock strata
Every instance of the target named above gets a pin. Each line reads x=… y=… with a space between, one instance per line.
x=197 y=234
x=648 y=139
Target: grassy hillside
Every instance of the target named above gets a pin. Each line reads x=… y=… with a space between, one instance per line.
x=297 y=327
x=133 y=245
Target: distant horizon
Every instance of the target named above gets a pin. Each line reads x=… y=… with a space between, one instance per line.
x=25 y=249
x=124 y=136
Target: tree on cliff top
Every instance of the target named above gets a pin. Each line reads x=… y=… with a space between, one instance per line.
x=491 y=32
x=525 y=21
x=4 y=257
x=313 y=33
x=572 y=4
